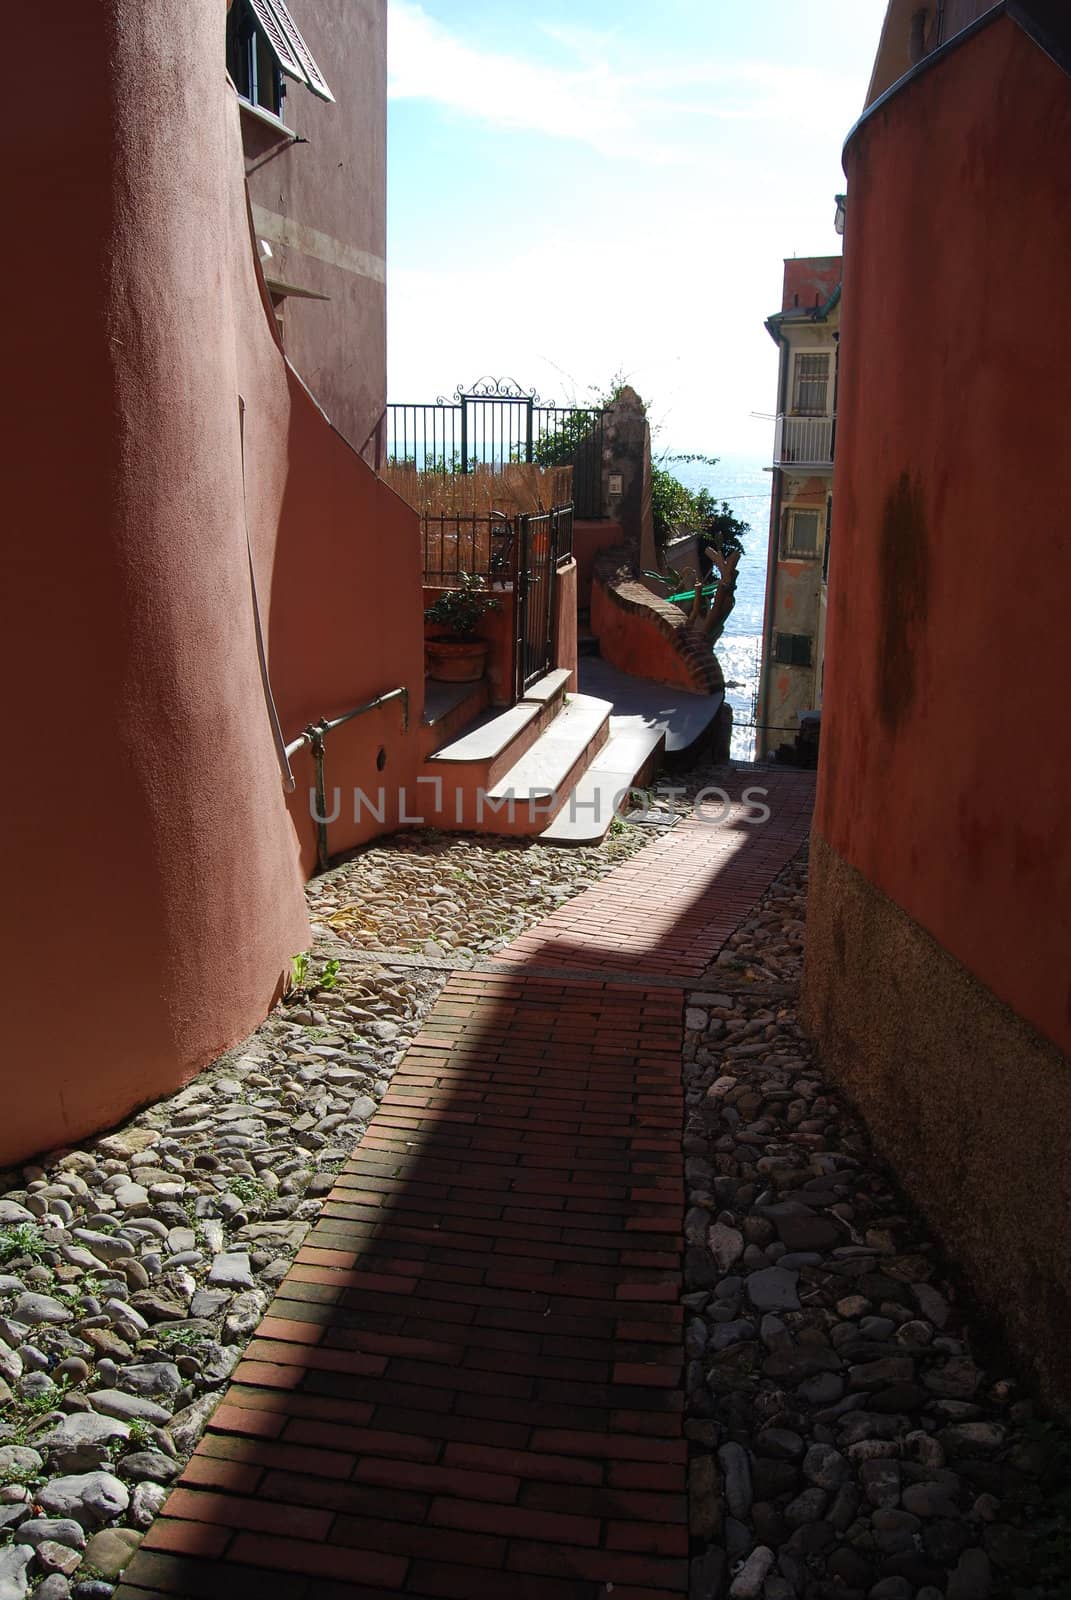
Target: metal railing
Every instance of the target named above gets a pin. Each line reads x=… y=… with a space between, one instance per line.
x=804 y=441
x=545 y=545
x=315 y=736
x=456 y=542
x=487 y=546
x=494 y=423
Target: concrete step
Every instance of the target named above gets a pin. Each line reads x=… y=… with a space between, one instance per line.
x=480 y=753
x=628 y=760
x=546 y=690
x=537 y=786
x=449 y=707
x=688 y=719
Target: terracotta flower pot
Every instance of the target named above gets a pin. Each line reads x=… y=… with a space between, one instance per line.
x=456 y=660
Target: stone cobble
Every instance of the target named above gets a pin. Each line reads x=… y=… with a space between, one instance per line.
x=456 y=898
x=135 y=1268
x=848 y=1440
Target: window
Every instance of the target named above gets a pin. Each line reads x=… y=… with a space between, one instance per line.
x=792 y=649
x=810 y=386
x=251 y=61
x=801 y=535
x=264 y=44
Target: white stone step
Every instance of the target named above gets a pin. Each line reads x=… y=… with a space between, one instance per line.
x=490 y=734
x=546 y=769
x=441 y=699
x=549 y=688
x=627 y=759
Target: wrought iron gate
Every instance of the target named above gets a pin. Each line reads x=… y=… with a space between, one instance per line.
x=495 y=422
x=544 y=541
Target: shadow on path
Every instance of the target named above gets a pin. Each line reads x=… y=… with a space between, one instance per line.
x=469 y=1384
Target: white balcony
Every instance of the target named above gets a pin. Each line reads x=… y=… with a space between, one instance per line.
x=804 y=441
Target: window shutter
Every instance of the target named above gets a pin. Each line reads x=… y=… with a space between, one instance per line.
x=289 y=48
x=792 y=649
x=309 y=72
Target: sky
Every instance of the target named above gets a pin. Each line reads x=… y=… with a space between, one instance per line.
x=584 y=188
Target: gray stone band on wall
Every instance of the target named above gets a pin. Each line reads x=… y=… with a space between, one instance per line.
x=970 y=1106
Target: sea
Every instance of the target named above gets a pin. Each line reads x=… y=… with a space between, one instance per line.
x=747 y=488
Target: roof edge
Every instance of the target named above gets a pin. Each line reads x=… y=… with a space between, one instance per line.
x=919 y=70
x=815 y=314
x=1017 y=11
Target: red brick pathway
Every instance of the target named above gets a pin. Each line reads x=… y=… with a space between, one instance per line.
x=468 y=1384
x=668 y=911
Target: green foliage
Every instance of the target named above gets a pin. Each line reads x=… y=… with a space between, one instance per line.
x=305 y=981
x=671 y=505
x=22 y=1240
x=560 y=446
x=35 y=1405
x=184 y=1338
x=676 y=509
x=461 y=610
x=141 y=1435
x=250 y=1191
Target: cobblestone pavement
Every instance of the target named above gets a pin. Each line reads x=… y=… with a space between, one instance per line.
x=808 y=1399
x=851 y=1436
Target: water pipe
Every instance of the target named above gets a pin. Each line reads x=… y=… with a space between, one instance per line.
x=315 y=736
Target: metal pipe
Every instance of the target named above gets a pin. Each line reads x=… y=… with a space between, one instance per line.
x=315 y=735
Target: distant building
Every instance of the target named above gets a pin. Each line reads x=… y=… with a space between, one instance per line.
x=312 y=101
x=806 y=331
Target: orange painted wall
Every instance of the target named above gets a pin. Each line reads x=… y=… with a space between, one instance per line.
x=945 y=763
x=632 y=642
x=152 y=868
x=809 y=281
x=589 y=538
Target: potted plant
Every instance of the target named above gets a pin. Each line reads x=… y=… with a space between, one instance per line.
x=458 y=654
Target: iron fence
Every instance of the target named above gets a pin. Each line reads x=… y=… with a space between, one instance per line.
x=488 y=546
x=457 y=542
x=545 y=544
x=495 y=422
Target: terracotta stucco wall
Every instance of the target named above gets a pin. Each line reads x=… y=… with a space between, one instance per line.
x=589 y=540
x=945 y=768
x=152 y=870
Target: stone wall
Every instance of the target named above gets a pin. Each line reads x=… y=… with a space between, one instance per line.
x=969 y=1104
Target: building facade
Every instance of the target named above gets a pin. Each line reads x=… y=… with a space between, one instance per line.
x=313 y=113
x=201 y=563
x=939 y=917
x=807 y=332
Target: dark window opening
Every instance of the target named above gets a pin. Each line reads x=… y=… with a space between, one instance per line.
x=252 y=62
x=801 y=535
x=811 y=385
x=792 y=649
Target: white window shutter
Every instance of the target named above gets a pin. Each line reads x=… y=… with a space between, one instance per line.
x=289 y=48
x=308 y=71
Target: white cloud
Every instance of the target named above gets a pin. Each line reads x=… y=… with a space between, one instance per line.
x=712 y=171
x=628 y=112
x=427 y=62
